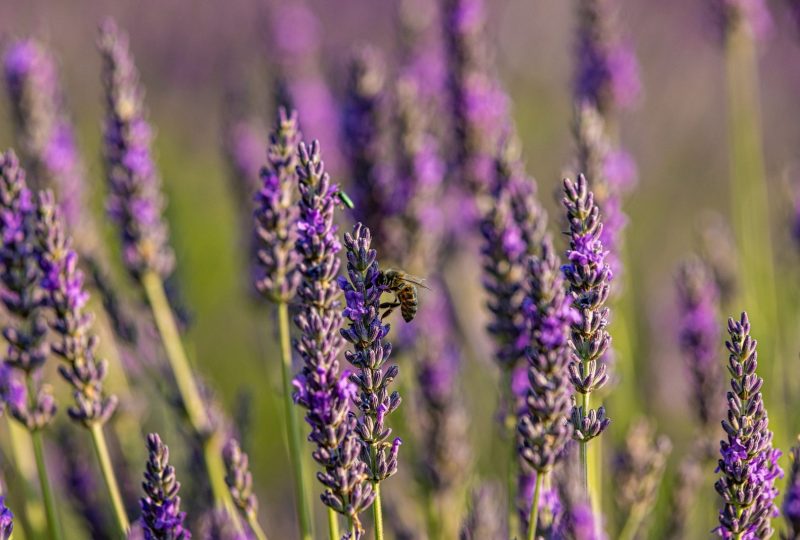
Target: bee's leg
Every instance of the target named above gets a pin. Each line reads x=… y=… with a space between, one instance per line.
x=389 y=307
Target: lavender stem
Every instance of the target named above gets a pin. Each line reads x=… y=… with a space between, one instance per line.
x=534 y=518
x=292 y=428
x=333 y=525
x=377 y=510
x=107 y=470
x=190 y=395
x=53 y=525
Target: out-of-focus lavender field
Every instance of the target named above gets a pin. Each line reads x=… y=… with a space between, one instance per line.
x=193 y=57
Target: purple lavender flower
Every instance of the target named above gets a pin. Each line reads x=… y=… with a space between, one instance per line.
x=363 y=123
x=366 y=332
x=589 y=278
x=135 y=201
x=322 y=390
x=699 y=336
x=6 y=520
x=728 y=15
x=544 y=428
x=297 y=44
x=239 y=480
x=216 y=524
x=607 y=74
x=550 y=507
x=162 y=518
x=512 y=229
x=791 y=499
x=45 y=134
x=275 y=213
x=22 y=296
x=65 y=295
x=478 y=104
x=749 y=463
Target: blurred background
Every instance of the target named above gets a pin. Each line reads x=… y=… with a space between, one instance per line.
x=192 y=57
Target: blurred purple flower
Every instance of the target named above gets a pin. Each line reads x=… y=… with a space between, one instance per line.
x=135 y=201
x=44 y=133
x=729 y=14
x=791 y=498
x=6 y=520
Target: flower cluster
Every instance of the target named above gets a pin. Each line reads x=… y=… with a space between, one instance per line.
x=607 y=74
x=363 y=143
x=6 y=520
x=65 y=295
x=161 y=506
x=699 y=336
x=484 y=519
x=135 y=202
x=366 y=333
x=276 y=213
x=478 y=104
x=749 y=463
x=589 y=278
x=45 y=134
x=544 y=427
x=22 y=296
x=322 y=390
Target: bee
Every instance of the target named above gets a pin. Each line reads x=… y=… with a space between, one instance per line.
x=403 y=286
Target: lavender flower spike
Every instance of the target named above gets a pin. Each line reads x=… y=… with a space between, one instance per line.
x=21 y=295
x=544 y=427
x=135 y=201
x=239 y=479
x=65 y=294
x=699 y=336
x=162 y=518
x=6 y=520
x=321 y=389
x=45 y=134
x=791 y=499
x=589 y=278
x=366 y=332
x=276 y=214
x=749 y=463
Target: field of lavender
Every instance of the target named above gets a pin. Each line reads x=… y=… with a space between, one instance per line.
x=281 y=270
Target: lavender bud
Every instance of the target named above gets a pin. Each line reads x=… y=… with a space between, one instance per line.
x=589 y=278
x=65 y=295
x=239 y=479
x=162 y=518
x=366 y=332
x=749 y=463
x=216 y=524
x=276 y=214
x=135 y=201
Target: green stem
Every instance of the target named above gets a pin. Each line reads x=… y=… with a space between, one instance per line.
x=292 y=427
x=255 y=526
x=633 y=523
x=189 y=393
x=107 y=470
x=584 y=450
x=377 y=512
x=333 y=525
x=53 y=526
x=534 y=514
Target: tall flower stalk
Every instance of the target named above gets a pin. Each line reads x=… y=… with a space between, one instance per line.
x=65 y=295
x=366 y=333
x=544 y=428
x=589 y=278
x=28 y=401
x=135 y=204
x=240 y=482
x=277 y=276
x=321 y=388
x=748 y=465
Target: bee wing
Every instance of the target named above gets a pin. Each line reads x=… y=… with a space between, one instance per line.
x=418 y=281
